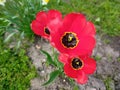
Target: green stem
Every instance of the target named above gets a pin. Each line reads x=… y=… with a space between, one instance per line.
x=53 y=51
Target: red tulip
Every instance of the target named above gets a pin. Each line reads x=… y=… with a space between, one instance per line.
x=43 y=19
x=78 y=67
x=74 y=36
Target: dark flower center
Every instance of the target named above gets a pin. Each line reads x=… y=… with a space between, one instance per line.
x=69 y=40
x=46 y=30
x=77 y=63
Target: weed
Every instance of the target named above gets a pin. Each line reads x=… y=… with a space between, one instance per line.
x=16 y=70
x=97 y=58
x=107 y=82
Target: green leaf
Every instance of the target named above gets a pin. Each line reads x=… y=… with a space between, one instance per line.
x=75 y=87
x=18 y=44
x=59 y=64
x=53 y=76
x=58 y=2
x=49 y=58
x=22 y=35
x=9 y=36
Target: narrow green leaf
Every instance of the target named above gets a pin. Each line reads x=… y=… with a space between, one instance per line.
x=18 y=44
x=59 y=64
x=22 y=35
x=58 y=2
x=49 y=58
x=53 y=76
x=9 y=36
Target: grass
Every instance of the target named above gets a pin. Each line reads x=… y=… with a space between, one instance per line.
x=97 y=58
x=107 y=82
x=16 y=70
x=19 y=15
x=118 y=59
x=103 y=13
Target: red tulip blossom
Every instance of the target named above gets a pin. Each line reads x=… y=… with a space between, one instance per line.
x=78 y=67
x=43 y=19
x=75 y=35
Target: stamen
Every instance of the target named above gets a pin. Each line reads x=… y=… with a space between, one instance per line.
x=70 y=38
x=77 y=63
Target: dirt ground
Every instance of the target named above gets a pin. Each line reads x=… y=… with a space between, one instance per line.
x=106 y=77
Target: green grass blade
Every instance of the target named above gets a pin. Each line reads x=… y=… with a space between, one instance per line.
x=18 y=44
x=59 y=64
x=49 y=58
x=53 y=76
x=9 y=36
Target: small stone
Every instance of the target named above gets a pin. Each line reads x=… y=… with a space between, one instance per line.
x=93 y=89
x=42 y=71
x=43 y=60
x=38 y=47
x=90 y=88
x=64 y=80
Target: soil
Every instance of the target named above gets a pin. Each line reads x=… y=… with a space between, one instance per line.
x=108 y=66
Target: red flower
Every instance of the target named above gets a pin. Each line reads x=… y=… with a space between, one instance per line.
x=78 y=67
x=43 y=19
x=75 y=35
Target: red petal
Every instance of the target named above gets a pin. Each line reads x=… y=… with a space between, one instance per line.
x=68 y=20
x=53 y=14
x=54 y=25
x=86 y=43
x=63 y=58
x=69 y=71
x=55 y=40
x=54 y=20
x=42 y=17
x=89 y=66
x=37 y=27
x=82 y=78
x=89 y=30
x=78 y=24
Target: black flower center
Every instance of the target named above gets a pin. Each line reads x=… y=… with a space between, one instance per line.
x=46 y=30
x=77 y=63
x=69 y=40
